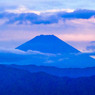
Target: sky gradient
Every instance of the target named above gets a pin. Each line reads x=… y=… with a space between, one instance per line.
x=49 y=4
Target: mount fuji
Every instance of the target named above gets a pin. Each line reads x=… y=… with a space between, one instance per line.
x=48 y=44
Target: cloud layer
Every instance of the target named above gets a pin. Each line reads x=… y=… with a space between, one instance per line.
x=25 y=16
x=18 y=57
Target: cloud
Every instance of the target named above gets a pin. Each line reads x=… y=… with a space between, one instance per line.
x=93 y=56
x=91 y=46
x=29 y=52
x=13 y=51
x=58 y=10
x=37 y=58
x=78 y=14
x=14 y=56
x=25 y=16
x=22 y=9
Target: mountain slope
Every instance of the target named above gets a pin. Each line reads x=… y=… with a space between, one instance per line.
x=47 y=44
x=20 y=82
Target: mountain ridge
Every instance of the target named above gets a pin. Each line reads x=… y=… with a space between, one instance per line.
x=60 y=72
x=20 y=82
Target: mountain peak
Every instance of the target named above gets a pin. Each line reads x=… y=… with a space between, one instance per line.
x=47 y=44
x=46 y=35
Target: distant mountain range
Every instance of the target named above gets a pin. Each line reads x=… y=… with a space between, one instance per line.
x=59 y=72
x=21 y=82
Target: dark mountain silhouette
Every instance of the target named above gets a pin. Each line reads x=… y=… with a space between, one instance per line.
x=47 y=44
x=20 y=82
x=62 y=72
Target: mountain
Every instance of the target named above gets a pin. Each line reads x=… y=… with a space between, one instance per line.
x=59 y=72
x=20 y=82
x=47 y=44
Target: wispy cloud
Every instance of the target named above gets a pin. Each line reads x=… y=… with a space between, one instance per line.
x=22 y=9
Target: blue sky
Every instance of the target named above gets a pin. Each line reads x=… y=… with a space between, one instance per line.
x=49 y=4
